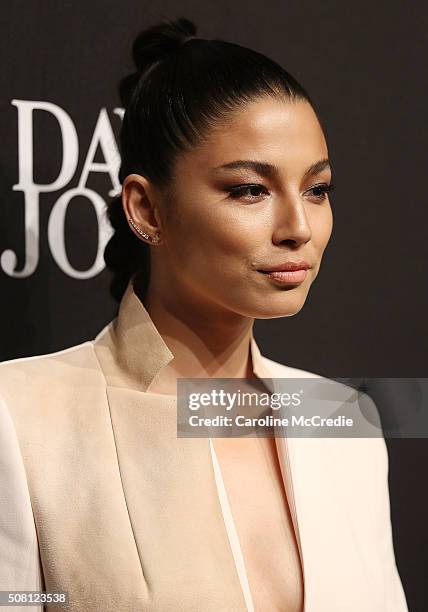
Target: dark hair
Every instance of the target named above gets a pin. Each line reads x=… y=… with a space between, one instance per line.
x=183 y=85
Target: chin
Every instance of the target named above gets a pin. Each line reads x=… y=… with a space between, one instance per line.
x=285 y=305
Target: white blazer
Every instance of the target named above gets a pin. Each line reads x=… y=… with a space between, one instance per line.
x=96 y=490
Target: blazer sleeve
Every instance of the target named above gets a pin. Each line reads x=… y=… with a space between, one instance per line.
x=394 y=594
x=20 y=568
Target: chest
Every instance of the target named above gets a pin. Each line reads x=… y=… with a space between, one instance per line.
x=254 y=487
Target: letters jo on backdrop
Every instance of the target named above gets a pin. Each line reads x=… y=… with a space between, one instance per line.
x=103 y=137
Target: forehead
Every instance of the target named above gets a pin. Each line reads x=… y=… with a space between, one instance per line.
x=286 y=133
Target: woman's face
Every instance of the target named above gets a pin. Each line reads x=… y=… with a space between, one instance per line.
x=225 y=221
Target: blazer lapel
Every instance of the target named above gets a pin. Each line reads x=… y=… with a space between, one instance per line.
x=169 y=482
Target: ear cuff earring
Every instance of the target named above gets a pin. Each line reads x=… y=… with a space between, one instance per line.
x=154 y=239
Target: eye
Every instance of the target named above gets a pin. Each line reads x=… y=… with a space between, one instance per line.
x=320 y=191
x=253 y=190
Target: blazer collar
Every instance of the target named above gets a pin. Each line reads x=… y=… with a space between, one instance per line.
x=131 y=350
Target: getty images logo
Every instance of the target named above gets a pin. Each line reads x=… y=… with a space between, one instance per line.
x=102 y=136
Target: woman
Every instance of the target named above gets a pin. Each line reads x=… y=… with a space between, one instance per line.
x=225 y=180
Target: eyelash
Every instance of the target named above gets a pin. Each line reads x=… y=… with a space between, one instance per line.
x=236 y=192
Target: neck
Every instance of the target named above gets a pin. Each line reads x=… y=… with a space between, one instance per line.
x=206 y=341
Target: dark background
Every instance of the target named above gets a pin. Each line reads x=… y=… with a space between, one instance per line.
x=364 y=65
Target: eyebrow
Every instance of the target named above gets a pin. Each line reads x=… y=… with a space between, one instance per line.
x=269 y=170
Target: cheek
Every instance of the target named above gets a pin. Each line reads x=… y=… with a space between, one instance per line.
x=213 y=238
x=322 y=227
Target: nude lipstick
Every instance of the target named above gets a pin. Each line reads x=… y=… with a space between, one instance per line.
x=289 y=272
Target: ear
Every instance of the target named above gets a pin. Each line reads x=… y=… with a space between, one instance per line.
x=139 y=201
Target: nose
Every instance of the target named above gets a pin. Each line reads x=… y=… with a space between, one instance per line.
x=290 y=220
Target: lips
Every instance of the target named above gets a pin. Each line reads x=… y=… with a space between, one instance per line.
x=288 y=266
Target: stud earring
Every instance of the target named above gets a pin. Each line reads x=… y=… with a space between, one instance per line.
x=154 y=239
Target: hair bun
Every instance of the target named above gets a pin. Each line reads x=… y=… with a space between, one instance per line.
x=159 y=41
x=152 y=45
